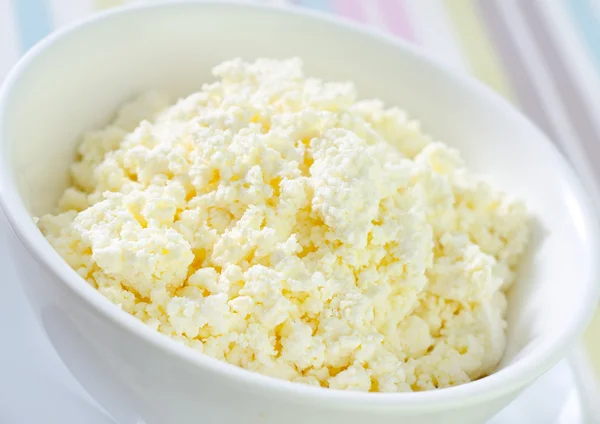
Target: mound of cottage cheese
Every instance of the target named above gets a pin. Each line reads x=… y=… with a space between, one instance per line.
x=275 y=222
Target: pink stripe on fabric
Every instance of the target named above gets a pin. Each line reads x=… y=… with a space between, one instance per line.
x=351 y=9
x=395 y=17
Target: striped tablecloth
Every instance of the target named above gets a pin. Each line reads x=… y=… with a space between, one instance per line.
x=542 y=55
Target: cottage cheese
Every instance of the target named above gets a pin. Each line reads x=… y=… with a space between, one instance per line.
x=275 y=222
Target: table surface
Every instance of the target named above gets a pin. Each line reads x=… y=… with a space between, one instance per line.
x=542 y=55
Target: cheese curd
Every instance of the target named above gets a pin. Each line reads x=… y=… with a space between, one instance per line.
x=275 y=222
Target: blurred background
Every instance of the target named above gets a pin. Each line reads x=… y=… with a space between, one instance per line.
x=541 y=55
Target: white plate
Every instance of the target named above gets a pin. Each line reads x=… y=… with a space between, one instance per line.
x=35 y=387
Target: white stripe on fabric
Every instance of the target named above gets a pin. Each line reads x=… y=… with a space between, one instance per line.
x=547 y=91
x=9 y=45
x=434 y=32
x=67 y=11
x=577 y=61
x=596 y=8
x=276 y=2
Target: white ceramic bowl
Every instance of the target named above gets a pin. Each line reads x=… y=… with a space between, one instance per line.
x=73 y=81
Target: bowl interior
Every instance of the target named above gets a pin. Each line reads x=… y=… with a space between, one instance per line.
x=76 y=83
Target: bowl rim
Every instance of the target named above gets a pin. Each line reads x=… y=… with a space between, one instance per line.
x=509 y=379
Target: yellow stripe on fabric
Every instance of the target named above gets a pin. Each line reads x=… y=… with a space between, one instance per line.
x=107 y=4
x=477 y=47
x=591 y=341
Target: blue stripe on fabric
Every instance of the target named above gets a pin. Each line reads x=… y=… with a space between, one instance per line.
x=33 y=21
x=322 y=5
x=588 y=24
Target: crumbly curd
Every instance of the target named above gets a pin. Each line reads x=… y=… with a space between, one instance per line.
x=276 y=222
